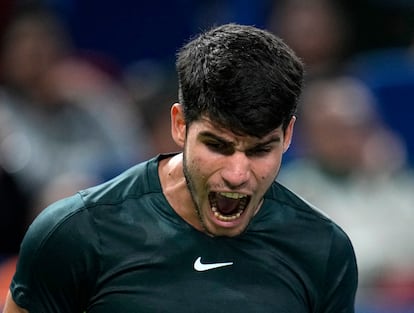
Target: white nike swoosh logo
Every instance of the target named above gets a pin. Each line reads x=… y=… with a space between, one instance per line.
x=201 y=267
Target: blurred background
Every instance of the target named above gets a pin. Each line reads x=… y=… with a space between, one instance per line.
x=86 y=86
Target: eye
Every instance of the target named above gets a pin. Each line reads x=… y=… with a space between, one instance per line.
x=220 y=147
x=259 y=151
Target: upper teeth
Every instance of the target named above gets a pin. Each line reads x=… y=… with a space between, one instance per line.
x=232 y=195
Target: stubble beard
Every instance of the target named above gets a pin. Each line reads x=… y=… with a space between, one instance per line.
x=191 y=189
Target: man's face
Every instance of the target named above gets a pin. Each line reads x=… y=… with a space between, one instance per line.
x=227 y=175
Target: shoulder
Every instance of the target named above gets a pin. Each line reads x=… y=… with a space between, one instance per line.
x=75 y=215
x=58 y=245
x=66 y=239
x=317 y=245
x=318 y=226
x=62 y=228
x=135 y=182
x=290 y=200
x=306 y=222
x=53 y=217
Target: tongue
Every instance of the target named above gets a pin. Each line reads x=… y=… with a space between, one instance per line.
x=226 y=206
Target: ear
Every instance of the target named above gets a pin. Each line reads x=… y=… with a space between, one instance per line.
x=178 y=126
x=287 y=138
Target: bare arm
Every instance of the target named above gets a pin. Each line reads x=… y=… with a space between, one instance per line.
x=12 y=307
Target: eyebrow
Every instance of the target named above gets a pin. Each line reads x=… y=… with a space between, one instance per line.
x=210 y=135
x=272 y=139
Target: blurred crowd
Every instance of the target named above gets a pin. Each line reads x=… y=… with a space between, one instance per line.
x=78 y=106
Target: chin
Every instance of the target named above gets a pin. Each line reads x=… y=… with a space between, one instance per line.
x=219 y=228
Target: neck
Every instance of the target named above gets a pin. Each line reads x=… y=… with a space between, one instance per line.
x=174 y=186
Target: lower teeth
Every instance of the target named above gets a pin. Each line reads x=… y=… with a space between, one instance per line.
x=226 y=217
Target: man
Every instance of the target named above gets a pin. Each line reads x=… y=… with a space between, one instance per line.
x=205 y=230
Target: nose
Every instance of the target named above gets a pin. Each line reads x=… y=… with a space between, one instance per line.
x=236 y=172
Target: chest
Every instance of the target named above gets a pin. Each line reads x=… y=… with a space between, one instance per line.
x=193 y=273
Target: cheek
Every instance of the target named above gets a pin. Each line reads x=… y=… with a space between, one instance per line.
x=195 y=161
x=269 y=171
x=268 y=178
x=197 y=165
x=201 y=159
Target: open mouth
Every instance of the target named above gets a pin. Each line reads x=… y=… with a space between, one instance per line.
x=228 y=206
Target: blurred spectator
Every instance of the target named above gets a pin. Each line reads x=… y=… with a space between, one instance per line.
x=317 y=30
x=353 y=168
x=64 y=122
x=389 y=73
x=154 y=90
